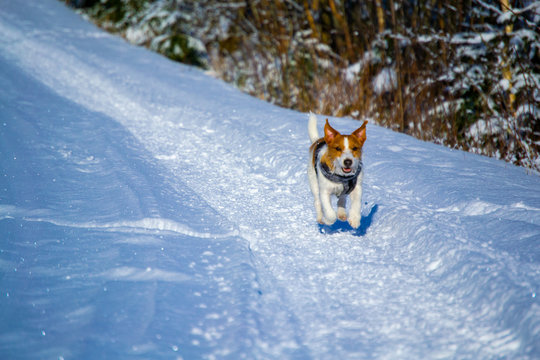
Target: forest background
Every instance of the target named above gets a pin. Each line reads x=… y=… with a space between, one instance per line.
x=465 y=74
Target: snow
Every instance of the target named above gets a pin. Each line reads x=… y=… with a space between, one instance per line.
x=385 y=81
x=148 y=210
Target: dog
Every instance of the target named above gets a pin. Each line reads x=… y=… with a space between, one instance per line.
x=335 y=168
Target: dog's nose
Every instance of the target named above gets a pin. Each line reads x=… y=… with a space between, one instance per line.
x=347 y=162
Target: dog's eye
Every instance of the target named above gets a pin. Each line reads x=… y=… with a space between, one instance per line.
x=338 y=148
x=354 y=148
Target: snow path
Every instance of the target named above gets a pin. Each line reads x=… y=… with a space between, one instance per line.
x=445 y=264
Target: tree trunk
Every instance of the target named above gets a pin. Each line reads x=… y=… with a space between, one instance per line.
x=506 y=69
x=345 y=28
x=397 y=51
x=380 y=15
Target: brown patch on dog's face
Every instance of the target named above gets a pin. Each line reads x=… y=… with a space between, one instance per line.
x=355 y=145
x=334 y=141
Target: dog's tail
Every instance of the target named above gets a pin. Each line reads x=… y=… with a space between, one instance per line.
x=312 y=128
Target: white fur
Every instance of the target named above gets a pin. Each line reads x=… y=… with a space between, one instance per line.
x=323 y=189
x=312 y=128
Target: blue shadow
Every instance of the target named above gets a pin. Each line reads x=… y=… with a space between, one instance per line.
x=343 y=226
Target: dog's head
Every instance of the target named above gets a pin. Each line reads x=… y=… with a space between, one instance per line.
x=344 y=152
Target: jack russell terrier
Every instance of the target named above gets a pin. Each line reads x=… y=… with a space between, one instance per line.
x=335 y=168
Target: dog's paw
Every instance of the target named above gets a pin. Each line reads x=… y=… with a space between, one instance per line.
x=354 y=221
x=342 y=214
x=330 y=219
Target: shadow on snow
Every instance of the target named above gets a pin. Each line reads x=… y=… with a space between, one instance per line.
x=343 y=226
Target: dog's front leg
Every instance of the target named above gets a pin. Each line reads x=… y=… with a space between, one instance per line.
x=355 y=212
x=319 y=211
x=329 y=213
x=341 y=211
x=314 y=185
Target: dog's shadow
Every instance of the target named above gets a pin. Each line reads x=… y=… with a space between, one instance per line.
x=343 y=226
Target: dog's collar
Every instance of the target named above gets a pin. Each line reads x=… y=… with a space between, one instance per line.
x=348 y=182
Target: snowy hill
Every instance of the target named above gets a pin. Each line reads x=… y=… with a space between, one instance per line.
x=150 y=211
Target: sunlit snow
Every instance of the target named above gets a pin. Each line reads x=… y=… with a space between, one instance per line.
x=150 y=211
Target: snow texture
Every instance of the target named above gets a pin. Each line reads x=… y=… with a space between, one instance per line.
x=149 y=211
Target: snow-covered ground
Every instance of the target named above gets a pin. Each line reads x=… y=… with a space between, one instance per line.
x=150 y=211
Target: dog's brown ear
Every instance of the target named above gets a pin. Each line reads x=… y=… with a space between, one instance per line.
x=329 y=133
x=360 y=133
